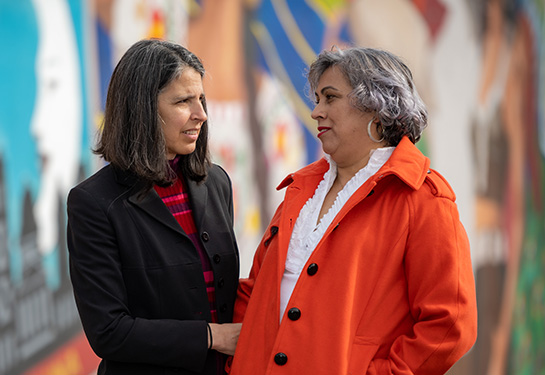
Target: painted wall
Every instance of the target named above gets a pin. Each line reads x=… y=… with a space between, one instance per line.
x=479 y=66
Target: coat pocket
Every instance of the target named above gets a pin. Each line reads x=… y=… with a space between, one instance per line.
x=363 y=351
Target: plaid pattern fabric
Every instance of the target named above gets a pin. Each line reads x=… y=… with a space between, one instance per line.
x=176 y=199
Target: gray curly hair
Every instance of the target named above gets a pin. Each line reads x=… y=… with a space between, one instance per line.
x=382 y=84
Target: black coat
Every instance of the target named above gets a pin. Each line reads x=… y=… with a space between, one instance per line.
x=137 y=277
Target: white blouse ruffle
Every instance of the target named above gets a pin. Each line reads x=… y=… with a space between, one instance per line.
x=306 y=233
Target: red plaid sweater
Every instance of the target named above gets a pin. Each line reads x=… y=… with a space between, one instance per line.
x=176 y=199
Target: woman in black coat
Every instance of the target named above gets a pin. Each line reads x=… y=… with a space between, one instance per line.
x=153 y=257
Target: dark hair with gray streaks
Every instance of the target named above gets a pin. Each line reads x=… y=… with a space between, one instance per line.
x=132 y=138
x=382 y=84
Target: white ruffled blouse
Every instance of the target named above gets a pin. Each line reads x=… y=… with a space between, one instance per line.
x=306 y=233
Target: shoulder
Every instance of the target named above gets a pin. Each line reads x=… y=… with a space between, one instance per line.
x=98 y=179
x=218 y=180
x=438 y=186
x=104 y=186
x=218 y=176
x=432 y=190
x=217 y=173
x=434 y=199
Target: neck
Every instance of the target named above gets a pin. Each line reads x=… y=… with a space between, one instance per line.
x=345 y=171
x=174 y=163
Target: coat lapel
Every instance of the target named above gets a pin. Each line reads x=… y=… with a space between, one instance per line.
x=151 y=203
x=300 y=188
x=198 y=196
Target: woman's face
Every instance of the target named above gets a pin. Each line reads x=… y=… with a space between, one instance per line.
x=181 y=113
x=342 y=129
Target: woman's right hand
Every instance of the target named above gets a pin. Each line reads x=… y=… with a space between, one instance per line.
x=225 y=337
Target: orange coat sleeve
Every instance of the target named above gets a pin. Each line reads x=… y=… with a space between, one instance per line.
x=246 y=285
x=441 y=290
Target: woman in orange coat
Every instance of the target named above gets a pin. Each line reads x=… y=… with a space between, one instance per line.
x=365 y=267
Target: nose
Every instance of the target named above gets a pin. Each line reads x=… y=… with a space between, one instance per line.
x=199 y=113
x=317 y=112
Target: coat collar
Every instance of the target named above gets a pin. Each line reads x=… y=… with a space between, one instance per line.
x=151 y=203
x=125 y=177
x=406 y=162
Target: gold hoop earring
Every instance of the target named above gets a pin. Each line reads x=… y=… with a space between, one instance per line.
x=371 y=135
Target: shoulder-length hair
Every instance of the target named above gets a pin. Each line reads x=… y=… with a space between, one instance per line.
x=132 y=137
x=382 y=84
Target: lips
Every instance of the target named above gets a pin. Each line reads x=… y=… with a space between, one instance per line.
x=191 y=134
x=322 y=130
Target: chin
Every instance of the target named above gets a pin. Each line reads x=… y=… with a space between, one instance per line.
x=186 y=151
x=327 y=150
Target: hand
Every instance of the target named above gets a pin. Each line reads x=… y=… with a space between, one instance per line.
x=225 y=337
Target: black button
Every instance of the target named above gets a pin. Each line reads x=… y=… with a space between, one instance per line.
x=274 y=230
x=312 y=269
x=216 y=258
x=280 y=359
x=221 y=282
x=294 y=313
x=205 y=237
x=223 y=308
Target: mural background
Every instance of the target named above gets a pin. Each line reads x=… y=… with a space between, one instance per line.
x=479 y=66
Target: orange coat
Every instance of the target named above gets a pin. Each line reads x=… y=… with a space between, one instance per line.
x=388 y=290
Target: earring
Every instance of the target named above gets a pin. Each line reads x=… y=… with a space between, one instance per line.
x=371 y=135
x=160 y=118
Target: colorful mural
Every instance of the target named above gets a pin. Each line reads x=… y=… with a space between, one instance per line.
x=43 y=153
x=478 y=64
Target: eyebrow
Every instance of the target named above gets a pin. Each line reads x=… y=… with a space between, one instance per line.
x=326 y=88
x=186 y=97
